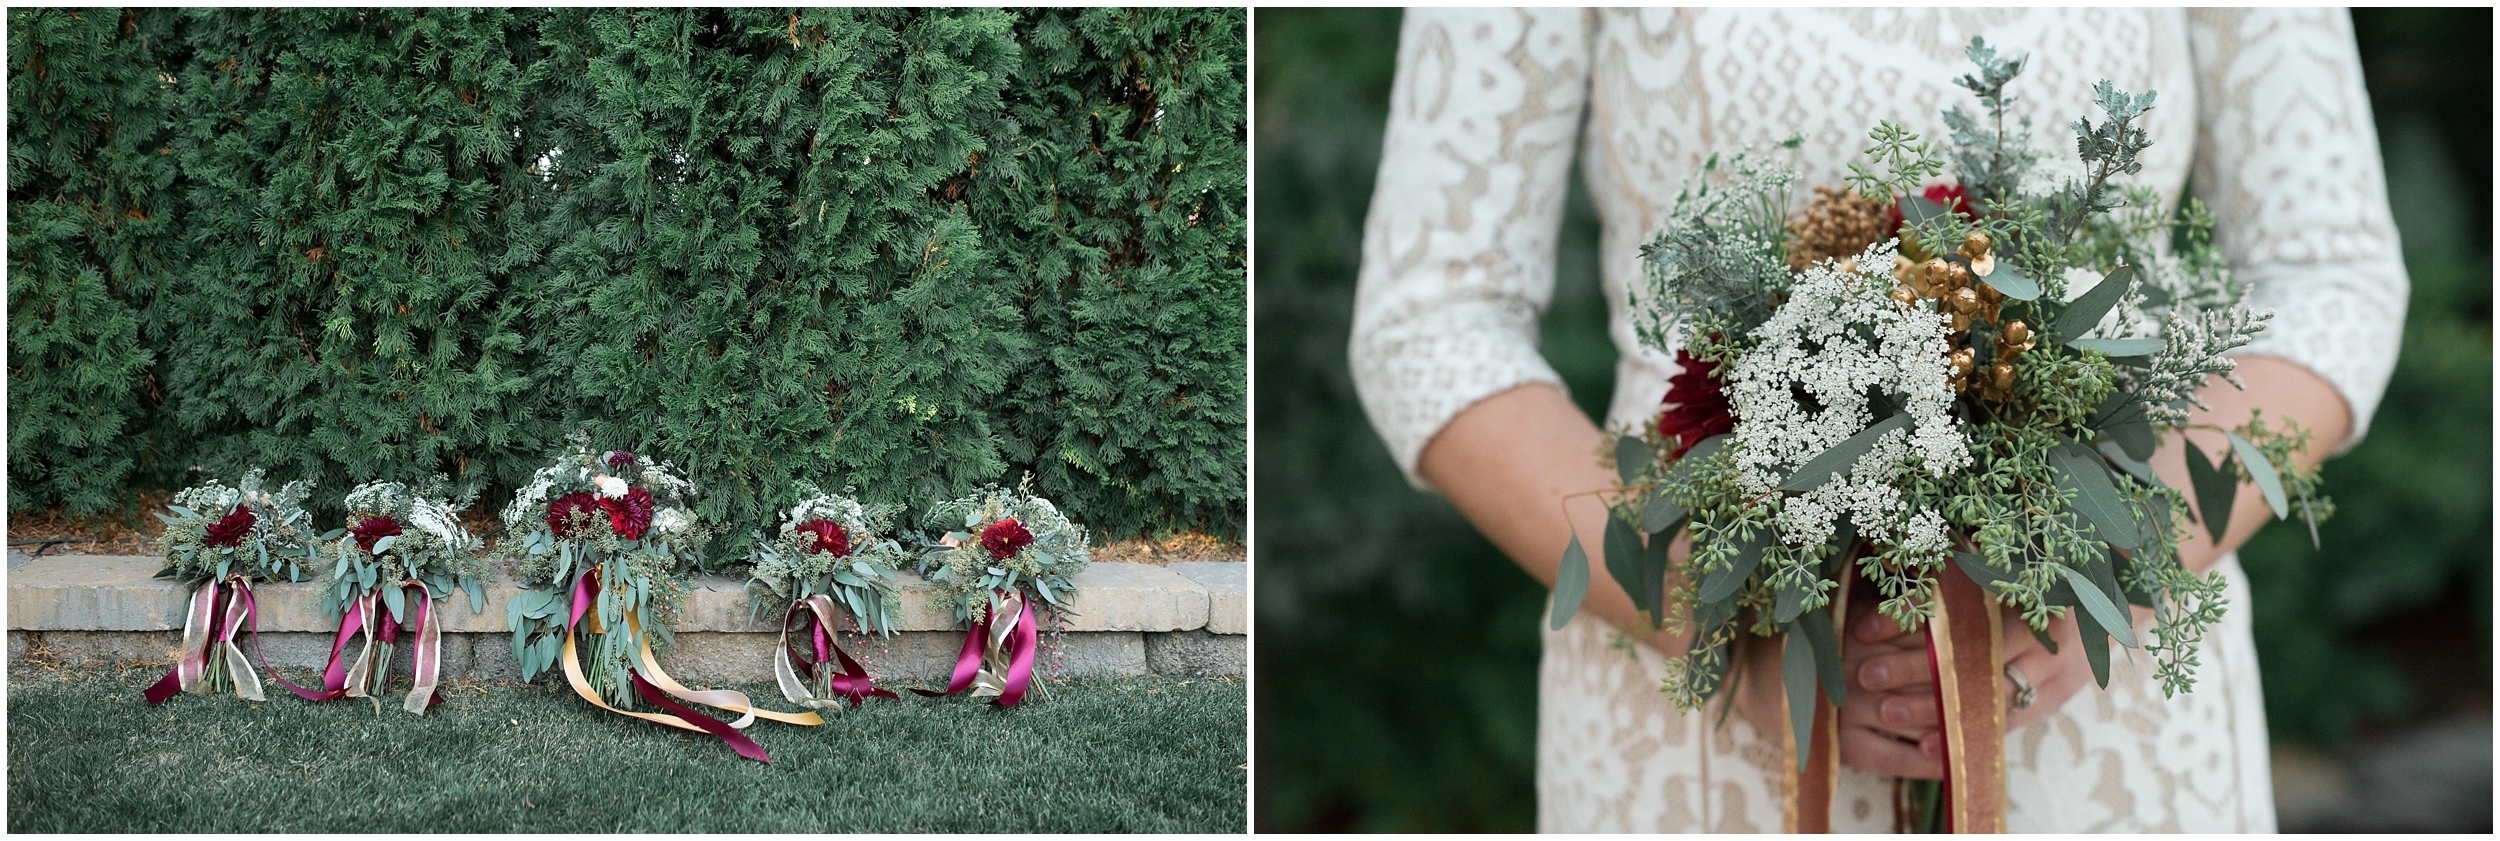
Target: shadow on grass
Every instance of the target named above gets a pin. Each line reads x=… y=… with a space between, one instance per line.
x=1144 y=754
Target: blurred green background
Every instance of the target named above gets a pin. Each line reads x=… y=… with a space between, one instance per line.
x=1398 y=649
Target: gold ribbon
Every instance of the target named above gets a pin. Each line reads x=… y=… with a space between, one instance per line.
x=992 y=679
x=787 y=673
x=722 y=698
x=1968 y=649
x=238 y=609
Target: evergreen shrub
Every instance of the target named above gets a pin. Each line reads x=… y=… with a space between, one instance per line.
x=908 y=251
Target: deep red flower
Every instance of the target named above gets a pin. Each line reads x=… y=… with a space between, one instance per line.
x=620 y=458
x=371 y=529
x=1948 y=195
x=230 y=530
x=830 y=537
x=1005 y=538
x=630 y=516
x=560 y=512
x=1700 y=405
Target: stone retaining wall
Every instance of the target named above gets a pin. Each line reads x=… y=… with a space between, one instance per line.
x=1127 y=619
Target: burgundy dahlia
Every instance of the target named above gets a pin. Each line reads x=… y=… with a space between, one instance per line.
x=620 y=458
x=630 y=515
x=560 y=512
x=1700 y=401
x=371 y=529
x=830 y=537
x=230 y=530
x=1005 y=538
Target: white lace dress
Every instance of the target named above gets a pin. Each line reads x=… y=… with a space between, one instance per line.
x=2266 y=110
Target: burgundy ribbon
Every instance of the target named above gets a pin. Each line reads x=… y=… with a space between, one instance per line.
x=171 y=684
x=1022 y=642
x=850 y=680
x=586 y=588
x=334 y=675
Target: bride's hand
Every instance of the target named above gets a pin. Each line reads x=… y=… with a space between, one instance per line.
x=1891 y=724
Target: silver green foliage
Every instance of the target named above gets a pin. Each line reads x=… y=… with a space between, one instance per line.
x=432 y=547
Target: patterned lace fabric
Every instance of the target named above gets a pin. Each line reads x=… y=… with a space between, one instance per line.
x=2264 y=107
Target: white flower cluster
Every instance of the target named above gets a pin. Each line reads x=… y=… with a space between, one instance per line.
x=518 y=516
x=430 y=516
x=2054 y=165
x=1838 y=339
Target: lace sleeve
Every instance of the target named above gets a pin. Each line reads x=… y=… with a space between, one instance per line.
x=1458 y=249
x=2288 y=160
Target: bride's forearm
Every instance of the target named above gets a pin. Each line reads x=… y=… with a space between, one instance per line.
x=1508 y=463
x=2284 y=389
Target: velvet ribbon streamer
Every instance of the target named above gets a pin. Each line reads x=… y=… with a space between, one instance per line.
x=990 y=643
x=219 y=612
x=655 y=685
x=792 y=668
x=1965 y=649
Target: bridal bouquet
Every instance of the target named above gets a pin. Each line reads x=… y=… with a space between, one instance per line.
x=831 y=551
x=1949 y=390
x=607 y=544
x=220 y=539
x=1002 y=549
x=405 y=548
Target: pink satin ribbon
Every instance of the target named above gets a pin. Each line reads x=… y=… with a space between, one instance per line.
x=849 y=679
x=586 y=589
x=216 y=617
x=1022 y=640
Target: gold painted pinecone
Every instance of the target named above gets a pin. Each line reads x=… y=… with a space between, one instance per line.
x=1838 y=223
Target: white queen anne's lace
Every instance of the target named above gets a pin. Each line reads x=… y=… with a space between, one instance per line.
x=1839 y=338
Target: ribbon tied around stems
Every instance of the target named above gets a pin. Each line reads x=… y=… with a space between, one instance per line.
x=993 y=644
x=371 y=616
x=219 y=611
x=655 y=686
x=1964 y=653
x=792 y=667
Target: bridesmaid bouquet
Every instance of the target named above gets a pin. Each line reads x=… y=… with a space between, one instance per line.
x=1950 y=390
x=404 y=549
x=608 y=542
x=832 y=554
x=1001 y=551
x=220 y=539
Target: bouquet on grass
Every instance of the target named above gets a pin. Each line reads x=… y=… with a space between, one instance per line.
x=831 y=552
x=219 y=540
x=1950 y=392
x=1002 y=549
x=404 y=549
x=607 y=543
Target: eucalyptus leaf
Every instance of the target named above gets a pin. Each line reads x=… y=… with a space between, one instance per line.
x=2214 y=490
x=2134 y=435
x=397 y=601
x=2047 y=644
x=1717 y=586
x=1787 y=603
x=2082 y=472
x=1693 y=458
x=1654 y=574
x=2095 y=646
x=1623 y=561
x=1842 y=456
x=2012 y=282
x=1797 y=675
x=1976 y=566
x=1631 y=454
x=1817 y=626
x=384 y=544
x=2119 y=347
x=2089 y=308
x=2118 y=456
x=2262 y=470
x=1660 y=513
x=2111 y=618
x=1571 y=583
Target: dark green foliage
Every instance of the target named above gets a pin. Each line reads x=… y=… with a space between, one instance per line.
x=910 y=252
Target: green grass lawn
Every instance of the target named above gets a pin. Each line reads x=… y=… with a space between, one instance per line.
x=1143 y=754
